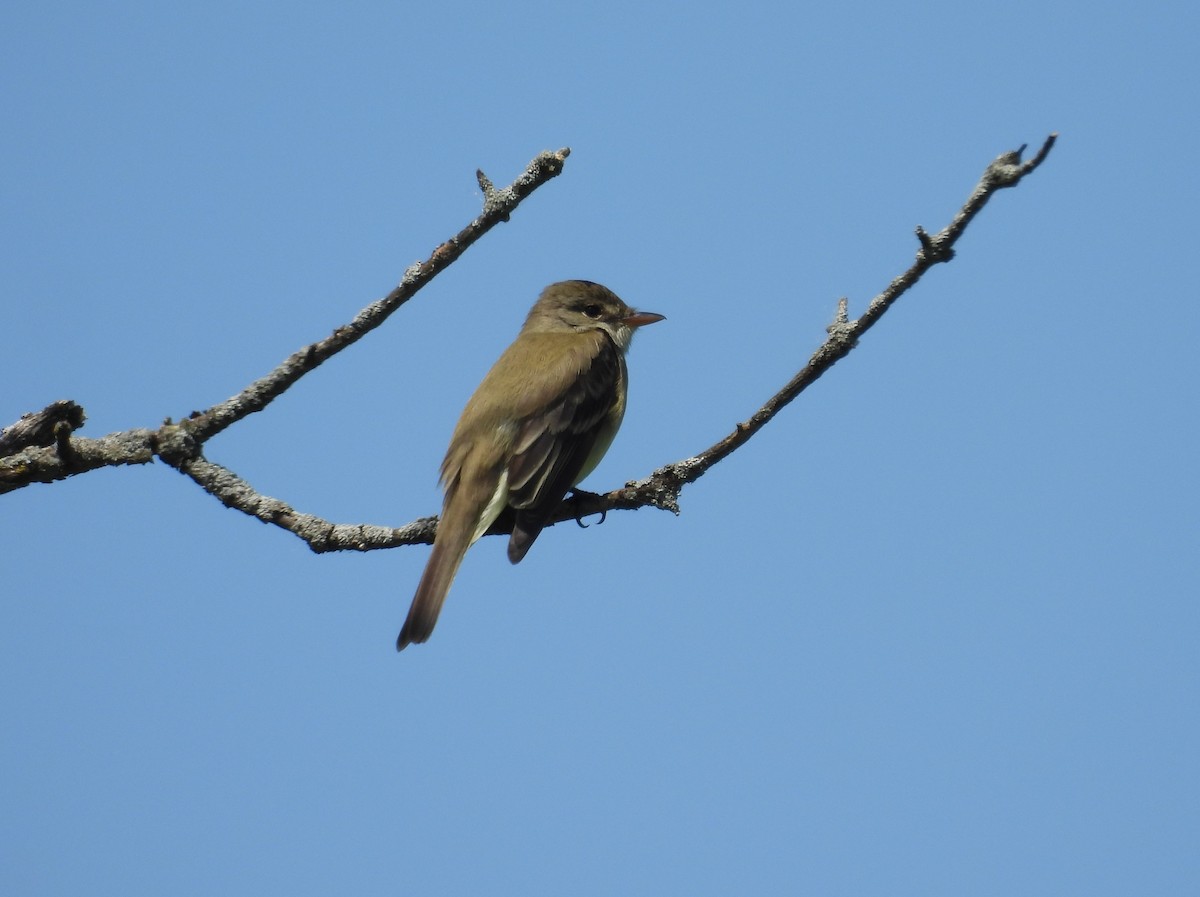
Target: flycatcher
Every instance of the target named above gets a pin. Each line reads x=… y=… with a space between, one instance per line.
x=540 y=422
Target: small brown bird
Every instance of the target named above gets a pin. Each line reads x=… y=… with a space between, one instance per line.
x=540 y=422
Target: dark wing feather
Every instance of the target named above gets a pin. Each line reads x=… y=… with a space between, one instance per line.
x=552 y=447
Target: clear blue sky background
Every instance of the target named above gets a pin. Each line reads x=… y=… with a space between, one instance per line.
x=933 y=632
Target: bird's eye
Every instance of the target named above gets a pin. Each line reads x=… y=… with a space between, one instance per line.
x=592 y=310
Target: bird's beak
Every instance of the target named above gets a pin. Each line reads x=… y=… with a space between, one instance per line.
x=641 y=318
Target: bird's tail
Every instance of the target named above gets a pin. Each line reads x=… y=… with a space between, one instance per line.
x=469 y=509
x=431 y=592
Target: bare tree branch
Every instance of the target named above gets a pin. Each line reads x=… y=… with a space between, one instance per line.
x=497 y=206
x=45 y=465
x=53 y=457
x=661 y=489
x=320 y=535
x=28 y=456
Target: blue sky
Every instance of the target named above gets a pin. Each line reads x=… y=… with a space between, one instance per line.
x=932 y=632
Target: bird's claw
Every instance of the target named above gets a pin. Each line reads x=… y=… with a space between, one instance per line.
x=582 y=525
x=576 y=493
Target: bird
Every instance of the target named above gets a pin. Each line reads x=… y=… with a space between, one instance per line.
x=538 y=423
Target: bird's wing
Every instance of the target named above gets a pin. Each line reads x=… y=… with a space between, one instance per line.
x=553 y=444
